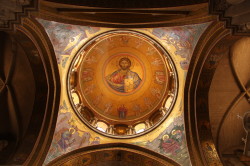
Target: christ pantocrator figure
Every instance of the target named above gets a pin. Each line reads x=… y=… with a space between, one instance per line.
x=124 y=80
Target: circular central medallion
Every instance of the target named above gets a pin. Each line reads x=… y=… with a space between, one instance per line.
x=124 y=73
x=121 y=78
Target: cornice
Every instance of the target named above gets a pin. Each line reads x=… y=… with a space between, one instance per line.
x=26 y=9
x=221 y=8
x=125 y=18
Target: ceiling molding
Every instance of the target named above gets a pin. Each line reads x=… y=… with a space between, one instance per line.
x=125 y=18
x=236 y=16
x=12 y=12
x=128 y=4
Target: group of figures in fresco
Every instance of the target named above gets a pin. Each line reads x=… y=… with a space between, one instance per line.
x=65 y=37
x=67 y=140
x=171 y=142
x=68 y=136
x=184 y=39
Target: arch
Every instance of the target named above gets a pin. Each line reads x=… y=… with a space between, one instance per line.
x=31 y=93
x=215 y=41
x=113 y=153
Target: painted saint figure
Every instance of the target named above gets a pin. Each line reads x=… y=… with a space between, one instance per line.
x=169 y=145
x=124 y=80
x=122 y=112
x=66 y=139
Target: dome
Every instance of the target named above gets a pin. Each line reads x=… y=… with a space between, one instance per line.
x=122 y=83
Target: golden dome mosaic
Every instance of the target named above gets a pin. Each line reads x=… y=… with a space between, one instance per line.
x=122 y=83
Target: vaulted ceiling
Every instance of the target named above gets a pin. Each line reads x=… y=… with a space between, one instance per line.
x=216 y=96
x=229 y=101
